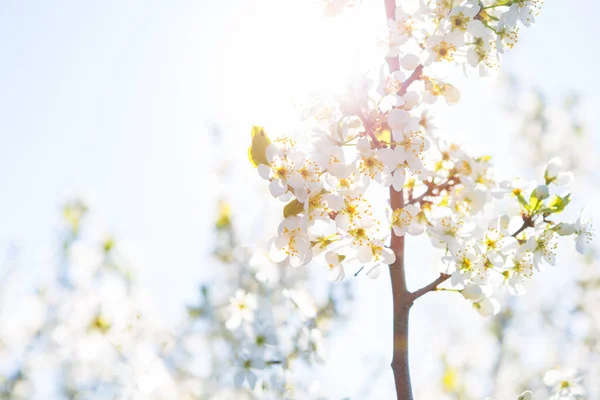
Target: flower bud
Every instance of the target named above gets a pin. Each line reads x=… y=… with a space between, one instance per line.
x=472 y=292
x=396 y=119
x=565 y=229
x=526 y=395
x=556 y=174
x=451 y=94
x=553 y=168
x=332 y=258
x=409 y=62
x=487 y=307
x=411 y=100
x=541 y=192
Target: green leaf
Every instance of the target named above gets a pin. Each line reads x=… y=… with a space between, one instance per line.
x=533 y=201
x=292 y=208
x=556 y=204
x=257 y=152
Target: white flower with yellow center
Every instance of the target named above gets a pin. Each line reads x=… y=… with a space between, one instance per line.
x=566 y=384
x=241 y=307
x=389 y=86
x=353 y=212
x=468 y=263
x=369 y=165
x=405 y=220
x=401 y=27
x=335 y=269
x=381 y=253
x=581 y=228
x=556 y=174
x=518 y=268
x=543 y=246
x=292 y=243
x=440 y=49
x=282 y=171
x=471 y=198
x=409 y=143
x=354 y=185
x=395 y=161
x=515 y=187
x=507 y=36
x=461 y=23
x=521 y=10
x=480 y=54
x=449 y=231
x=495 y=245
x=583 y=231
x=364 y=241
x=246 y=369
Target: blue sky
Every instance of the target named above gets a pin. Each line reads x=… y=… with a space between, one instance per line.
x=114 y=98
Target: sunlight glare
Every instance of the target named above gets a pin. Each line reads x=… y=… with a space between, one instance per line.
x=296 y=51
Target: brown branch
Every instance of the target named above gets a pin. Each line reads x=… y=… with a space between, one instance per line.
x=431 y=287
x=401 y=305
x=435 y=190
x=400 y=294
x=401 y=297
x=415 y=76
x=390 y=13
x=527 y=223
x=374 y=139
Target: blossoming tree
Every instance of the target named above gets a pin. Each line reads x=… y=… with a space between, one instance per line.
x=380 y=135
x=536 y=342
x=555 y=132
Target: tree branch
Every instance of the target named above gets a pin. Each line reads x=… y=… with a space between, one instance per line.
x=431 y=287
x=415 y=76
x=435 y=190
x=390 y=13
x=527 y=223
x=400 y=294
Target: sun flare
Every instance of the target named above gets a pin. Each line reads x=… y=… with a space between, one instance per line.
x=302 y=52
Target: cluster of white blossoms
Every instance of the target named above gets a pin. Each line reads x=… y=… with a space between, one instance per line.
x=510 y=248
x=473 y=33
x=538 y=322
x=380 y=134
x=267 y=321
x=565 y=384
x=90 y=332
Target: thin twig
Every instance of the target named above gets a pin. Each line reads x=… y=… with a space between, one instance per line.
x=527 y=223
x=415 y=76
x=431 y=287
x=435 y=190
